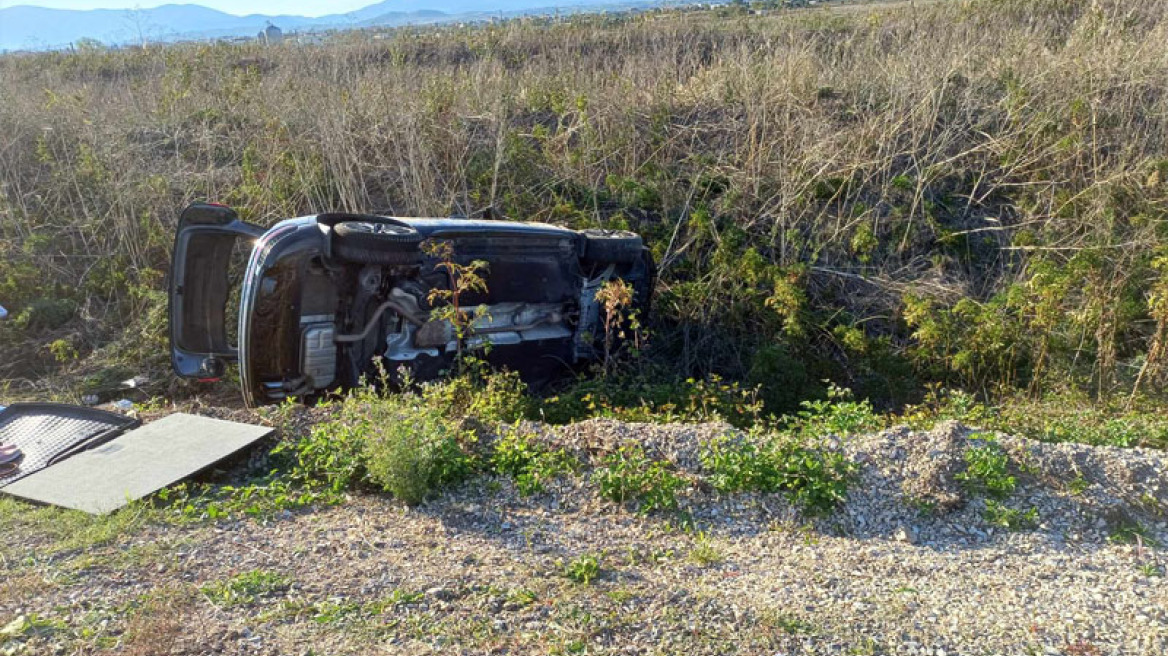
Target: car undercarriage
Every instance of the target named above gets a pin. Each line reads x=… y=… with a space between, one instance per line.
x=329 y=301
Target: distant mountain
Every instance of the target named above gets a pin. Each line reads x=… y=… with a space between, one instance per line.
x=28 y=27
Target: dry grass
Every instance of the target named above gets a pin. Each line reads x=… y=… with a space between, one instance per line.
x=160 y=626
x=837 y=183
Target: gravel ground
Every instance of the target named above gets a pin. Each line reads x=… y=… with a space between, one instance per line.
x=908 y=565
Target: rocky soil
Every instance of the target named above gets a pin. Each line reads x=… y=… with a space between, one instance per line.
x=910 y=564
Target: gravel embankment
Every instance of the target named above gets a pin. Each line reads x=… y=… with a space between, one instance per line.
x=908 y=565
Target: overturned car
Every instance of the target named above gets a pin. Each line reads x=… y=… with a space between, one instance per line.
x=327 y=301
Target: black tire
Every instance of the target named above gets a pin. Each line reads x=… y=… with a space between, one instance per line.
x=377 y=242
x=616 y=246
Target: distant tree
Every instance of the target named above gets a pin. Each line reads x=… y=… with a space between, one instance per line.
x=86 y=44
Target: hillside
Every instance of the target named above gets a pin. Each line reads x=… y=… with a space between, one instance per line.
x=902 y=388
x=969 y=195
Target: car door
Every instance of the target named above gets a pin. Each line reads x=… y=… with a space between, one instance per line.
x=208 y=236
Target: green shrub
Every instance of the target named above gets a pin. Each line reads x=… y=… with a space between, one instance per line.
x=531 y=465
x=331 y=457
x=1009 y=518
x=396 y=443
x=411 y=449
x=627 y=475
x=481 y=392
x=45 y=314
x=815 y=479
x=1058 y=417
x=987 y=468
x=653 y=394
x=839 y=414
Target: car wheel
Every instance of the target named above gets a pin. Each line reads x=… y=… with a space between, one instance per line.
x=619 y=246
x=377 y=242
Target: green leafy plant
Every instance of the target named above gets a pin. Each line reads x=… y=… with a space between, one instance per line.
x=481 y=392
x=839 y=414
x=652 y=394
x=1151 y=570
x=627 y=475
x=244 y=589
x=583 y=568
x=531 y=465
x=412 y=450
x=462 y=279
x=1130 y=531
x=987 y=468
x=1009 y=518
x=1078 y=485
x=815 y=479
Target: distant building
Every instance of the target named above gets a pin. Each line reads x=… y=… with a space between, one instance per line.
x=271 y=34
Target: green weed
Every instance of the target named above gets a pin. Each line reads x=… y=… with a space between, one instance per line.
x=244 y=589
x=839 y=414
x=787 y=623
x=987 y=468
x=705 y=552
x=1130 y=531
x=997 y=514
x=531 y=465
x=815 y=479
x=583 y=569
x=627 y=475
x=412 y=450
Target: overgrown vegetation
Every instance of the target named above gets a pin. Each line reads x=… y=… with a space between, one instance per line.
x=987 y=468
x=1065 y=417
x=815 y=479
x=629 y=476
x=423 y=439
x=973 y=193
x=531 y=465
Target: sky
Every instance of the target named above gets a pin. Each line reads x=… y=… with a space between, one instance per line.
x=238 y=7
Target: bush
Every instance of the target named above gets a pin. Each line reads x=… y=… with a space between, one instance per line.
x=815 y=479
x=518 y=455
x=45 y=314
x=654 y=394
x=412 y=450
x=987 y=468
x=480 y=392
x=839 y=414
x=627 y=475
